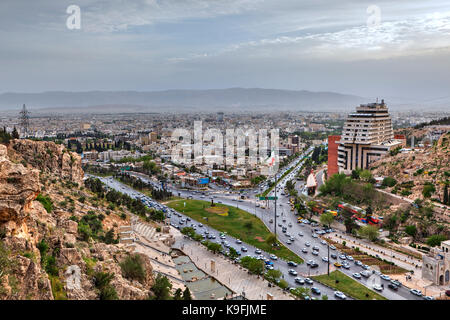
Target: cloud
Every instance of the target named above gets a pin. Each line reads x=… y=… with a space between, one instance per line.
x=414 y=36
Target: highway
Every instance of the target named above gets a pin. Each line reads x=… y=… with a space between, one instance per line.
x=302 y=233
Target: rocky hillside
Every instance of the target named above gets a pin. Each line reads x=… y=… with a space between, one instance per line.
x=58 y=240
x=413 y=171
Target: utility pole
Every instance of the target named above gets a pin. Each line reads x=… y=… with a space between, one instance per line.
x=276 y=181
x=25 y=120
x=328 y=262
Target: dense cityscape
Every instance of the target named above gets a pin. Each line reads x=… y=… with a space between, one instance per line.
x=237 y=161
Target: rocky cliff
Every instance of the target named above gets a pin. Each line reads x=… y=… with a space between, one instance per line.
x=50 y=157
x=57 y=238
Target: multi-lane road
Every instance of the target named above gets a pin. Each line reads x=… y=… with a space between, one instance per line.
x=302 y=233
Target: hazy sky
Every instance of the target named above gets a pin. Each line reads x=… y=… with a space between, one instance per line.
x=200 y=44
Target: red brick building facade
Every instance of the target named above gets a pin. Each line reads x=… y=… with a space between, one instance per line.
x=333 y=143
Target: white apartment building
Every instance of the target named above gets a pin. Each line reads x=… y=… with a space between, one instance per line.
x=367 y=136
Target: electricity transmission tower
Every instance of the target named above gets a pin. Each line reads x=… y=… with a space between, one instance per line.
x=25 y=120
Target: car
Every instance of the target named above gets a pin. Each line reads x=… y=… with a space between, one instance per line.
x=316 y=248
x=356 y=275
x=428 y=298
x=273 y=257
x=315 y=253
x=377 y=287
x=258 y=251
x=289 y=242
x=300 y=234
x=332 y=247
x=269 y=267
x=314 y=235
x=358 y=263
x=292 y=264
x=340 y=295
x=325 y=259
x=314 y=264
x=342 y=257
x=323 y=242
x=307 y=244
x=385 y=277
x=292 y=239
x=349 y=258
x=290 y=225
x=244 y=249
x=315 y=290
x=365 y=274
x=222 y=237
x=365 y=267
x=346 y=266
x=392 y=286
x=308 y=281
x=337 y=265
x=292 y=272
x=299 y=281
x=396 y=282
x=416 y=292
x=334 y=256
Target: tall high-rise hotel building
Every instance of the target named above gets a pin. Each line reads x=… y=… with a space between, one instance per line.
x=367 y=136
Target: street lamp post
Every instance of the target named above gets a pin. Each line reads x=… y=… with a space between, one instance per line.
x=328 y=262
x=275 y=208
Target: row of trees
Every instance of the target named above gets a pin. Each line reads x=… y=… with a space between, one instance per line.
x=118 y=198
x=139 y=184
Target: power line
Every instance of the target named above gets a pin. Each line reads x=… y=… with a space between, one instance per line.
x=25 y=120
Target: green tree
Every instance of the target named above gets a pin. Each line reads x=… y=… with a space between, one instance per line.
x=301 y=292
x=428 y=190
x=214 y=247
x=326 y=219
x=253 y=265
x=435 y=240
x=411 y=230
x=233 y=253
x=177 y=295
x=273 y=275
x=283 y=284
x=271 y=239
x=102 y=281
x=15 y=134
x=133 y=268
x=161 y=288
x=5 y=262
x=446 y=195
x=366 y=175
x=389 y=182
x=355 y=174
x=369 y=232
x=187 y=294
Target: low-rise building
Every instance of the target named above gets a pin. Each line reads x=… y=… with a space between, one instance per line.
x=436 y=264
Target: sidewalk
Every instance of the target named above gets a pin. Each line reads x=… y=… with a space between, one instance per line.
x=229 y=274
x=399 y=259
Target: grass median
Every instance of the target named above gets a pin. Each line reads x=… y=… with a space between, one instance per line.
x=348 y=286
x=235 y=222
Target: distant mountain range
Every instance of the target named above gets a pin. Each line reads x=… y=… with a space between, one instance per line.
x=233 y=99
x=214 y=100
